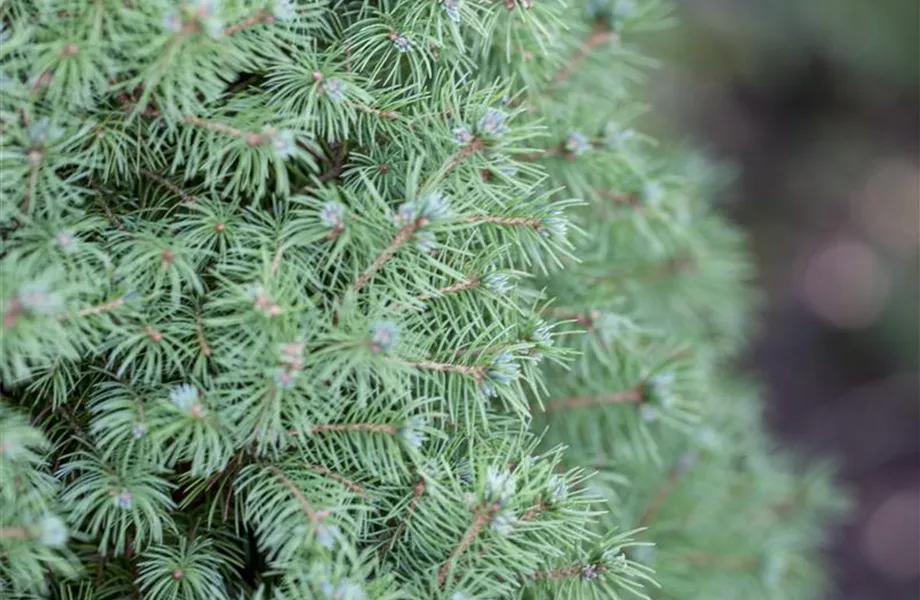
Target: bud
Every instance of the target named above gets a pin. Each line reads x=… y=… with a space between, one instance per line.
x=36 y=298
x=498 y=283
x=346 y=590
x=384 y=336
x=426 y=241
x=406 y=214
x=335 y=90
x=402 y=43
x=541 y=334
x=500 y=485
x=327 y=535
x=332 y=215
x=284 y=10
x=452 y=9
x=66 y=241
x=435 y=206
x=462 y=135
x=503 y=522
x=184 y=397
x=51 y=531
x=493 y=123
x=557 y=488
x=283 y=143
x=285 y=379
x=41 y=133
x=576 y=143
x=139 y=430
x=172 y=22
x=555 y=225
x=411 y=432
x=504 y=369
x=589 y=572
x=124 y=500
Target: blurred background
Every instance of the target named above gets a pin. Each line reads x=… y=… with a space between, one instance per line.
x=817 y=104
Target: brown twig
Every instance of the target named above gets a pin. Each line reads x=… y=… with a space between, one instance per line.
x=586 y=320
x=99 y=308
x=532 y=222
x=726 y=561
x=399 y=240
x=261 y=17
x=312 y=514
x=535 y=511
x=472 y=147
x=481 y=517
x=215 y=127
x=567 y=572
x=276 y=260
x=15 y=533
x=633 y=396
x=466 y=284
x=538 y=154
x=35 y=157
x=665 y=490
x=383 y=114
x=371 y=427
x=337 y=166
x=202 y=341
x=417 y=491
x=600 y=36
x=351 y=485
x=172 y=187
x=476 y=372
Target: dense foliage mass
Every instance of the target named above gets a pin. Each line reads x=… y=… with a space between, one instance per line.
x=370 y=300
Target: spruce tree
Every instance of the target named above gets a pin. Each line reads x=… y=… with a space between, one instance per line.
x=372 y=300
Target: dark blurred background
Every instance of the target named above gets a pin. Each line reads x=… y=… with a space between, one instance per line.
x=817 y=104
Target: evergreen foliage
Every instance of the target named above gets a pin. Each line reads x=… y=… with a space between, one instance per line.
x=371 y=300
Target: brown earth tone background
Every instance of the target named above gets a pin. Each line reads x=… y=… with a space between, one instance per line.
x=817 y=104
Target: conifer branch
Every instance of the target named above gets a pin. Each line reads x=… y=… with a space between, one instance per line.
x=655 y=272
x=558 y=150
x=371 y=427
x=418 y=491
x=11 y=316
x=337 y=165
x=586 y=571
x=476 y=372
x=664 y=491
x=535 y=511
x=481 y=517
x=351 y=485
x=383 y=114
x=260 y=18
x=472 y=147
x=14 y=533
x=202 y=341
x=468 y=283
x=35 y=161
x=599 y=36
x=732 y=562
x=621 y=198
x=633 y=396
x=585 y=319
x=312 y=514
x=532 y=222
x=399 y=240
x=251 y=138
x=276 y=259
x=98 y=309
x=172 y=187
x=213 y=126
